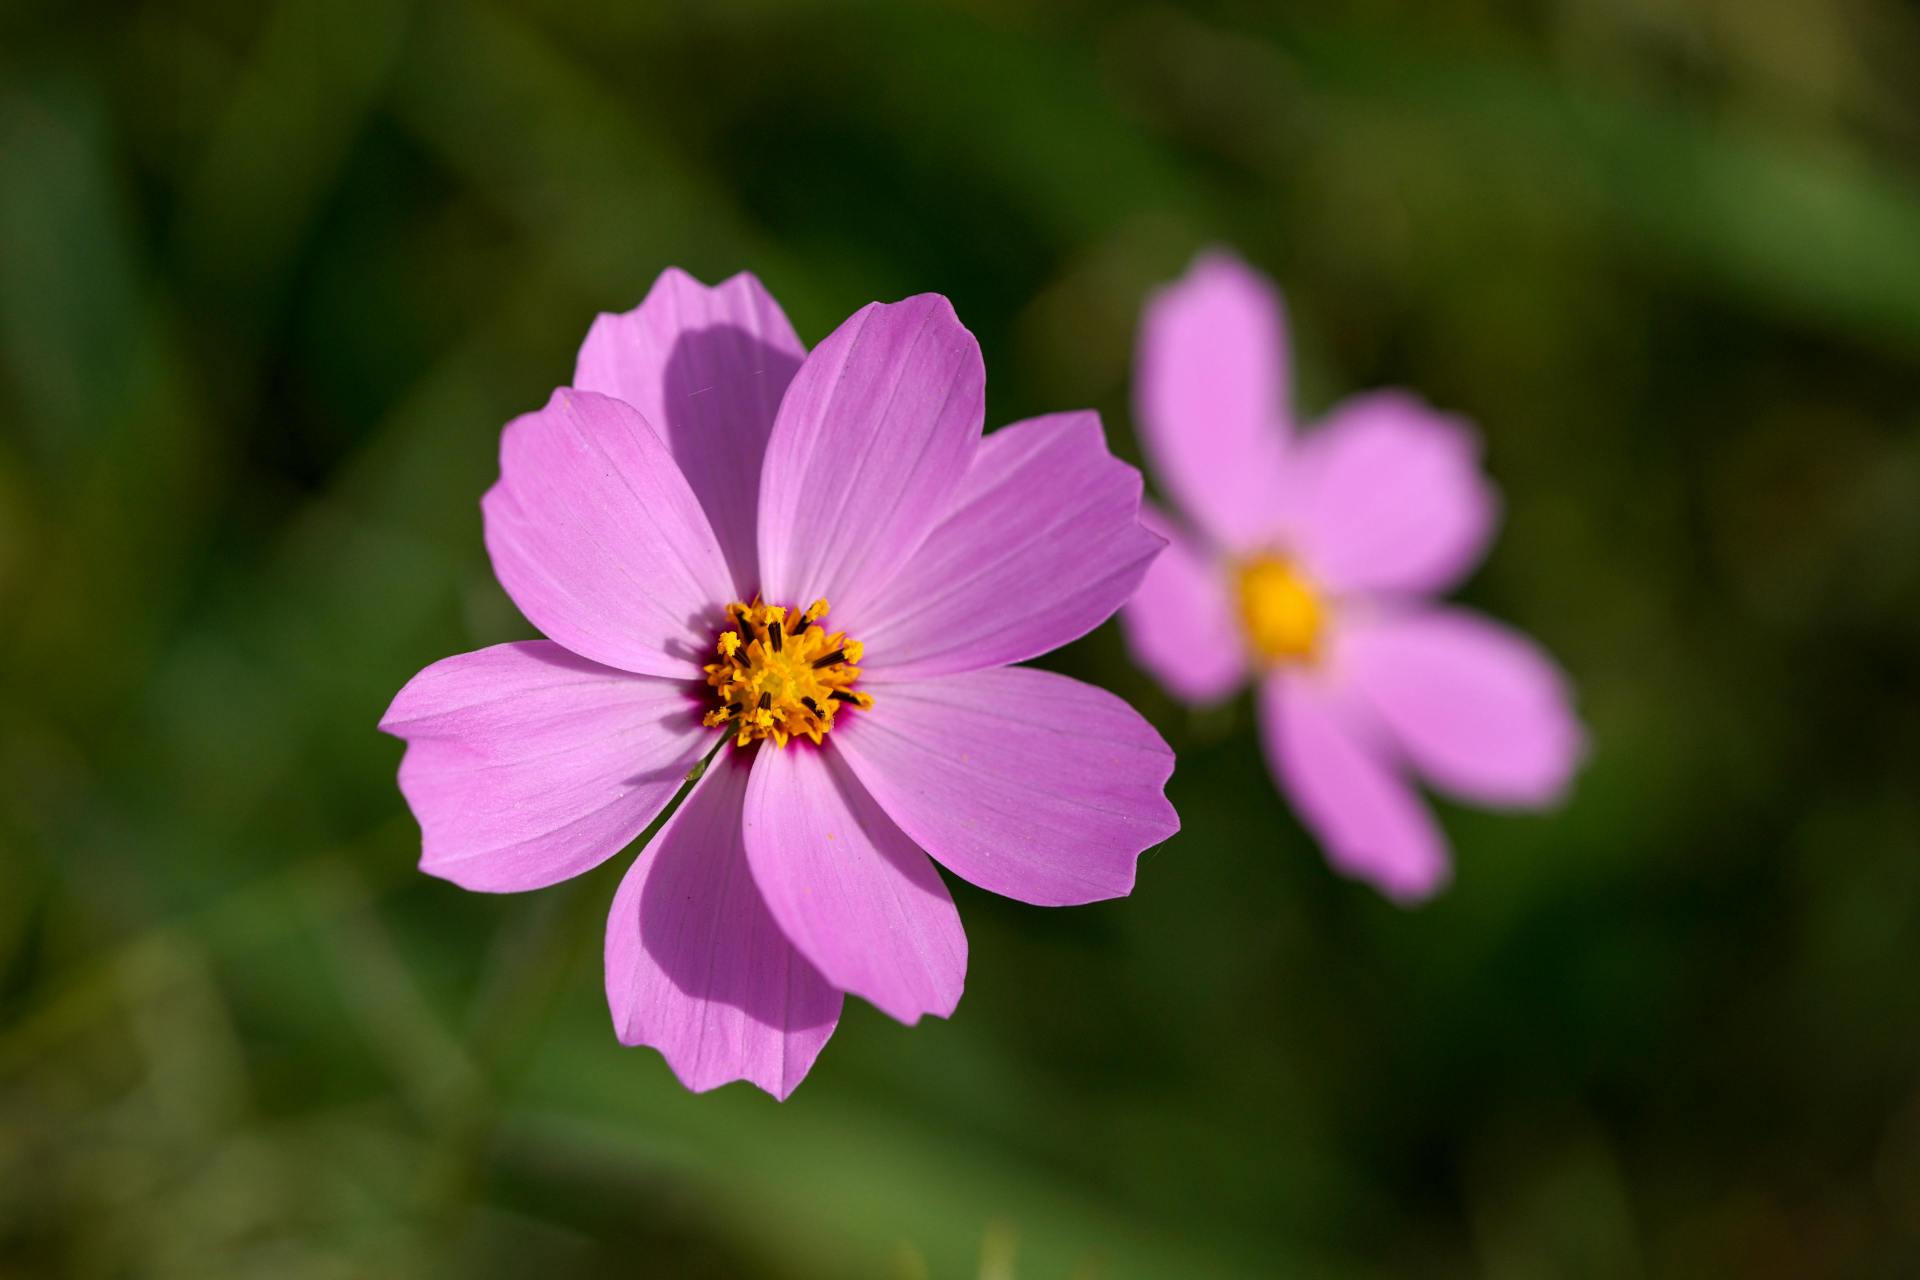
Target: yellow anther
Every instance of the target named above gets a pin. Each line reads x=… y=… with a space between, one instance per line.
x=782 y=680
x=1282 y=612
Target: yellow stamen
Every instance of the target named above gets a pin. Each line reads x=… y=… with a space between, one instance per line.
x=1282 y=612
x=779 y=679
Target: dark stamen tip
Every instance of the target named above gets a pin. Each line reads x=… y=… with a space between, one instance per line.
x=766 y=700
x=831 y=660
x=841 y=695
x=773 y=633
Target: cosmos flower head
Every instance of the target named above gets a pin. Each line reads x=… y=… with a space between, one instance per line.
x=800 y=578
x=1308 y=564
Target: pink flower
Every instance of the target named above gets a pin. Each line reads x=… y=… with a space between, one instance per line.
x=1307 y=565
x=676 y=523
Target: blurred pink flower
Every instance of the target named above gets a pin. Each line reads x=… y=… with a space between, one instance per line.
x=676 y=523
x=1306 y=564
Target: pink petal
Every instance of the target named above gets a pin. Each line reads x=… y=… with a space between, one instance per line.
x=1371 y=823
x=596 y=536
x=1027 y=783
x=1388 y=496
x=848 y=888
x=1182 y=625
x=706 y=367
x=1042 y=543
x=697 y=968
x=1211 y=390
x=527 y=764
x=1477 y=707
x=873 y=439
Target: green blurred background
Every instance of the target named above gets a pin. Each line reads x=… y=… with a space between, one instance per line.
x=272 y=276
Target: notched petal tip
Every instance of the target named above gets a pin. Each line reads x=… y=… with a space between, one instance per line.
x=468 y=876
x=929 y=301
x=393 y=720
x=706 y=366
x=697 y=968
x=526 y=764
x=777 y=1088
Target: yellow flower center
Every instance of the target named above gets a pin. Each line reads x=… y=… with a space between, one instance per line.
x=1281 y=610
x=781 y=677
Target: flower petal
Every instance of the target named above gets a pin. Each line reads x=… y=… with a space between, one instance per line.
x=849 y=889
x=1367 y=818
x=696 y=966
x=596 y=536
x=706 y=367
x=1212 y=390
x=872 y=440
x=1387 y=495
x=1181 y=624
x=1477 y=707
x=1027 y=783
x=527 y=764
x=1042 y=543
